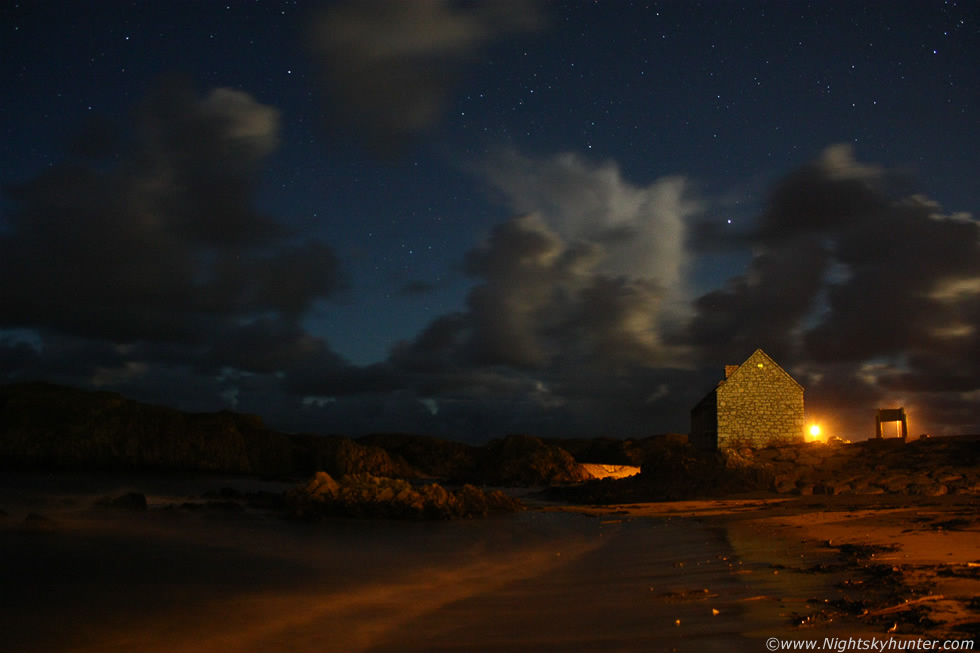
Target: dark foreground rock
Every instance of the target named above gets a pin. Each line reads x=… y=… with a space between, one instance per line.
x=47 y=426
x=525 y=461
x=612 y=451
x=923 y=467
x=513 y=461
x=366 y=496
x=128 y=501
x=675 y=471
x=339 y=456
x=432 y=457
x=672 y=471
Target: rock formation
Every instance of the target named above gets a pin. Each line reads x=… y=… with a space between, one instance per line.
x=522 y=460
x=46 y=426
x=49 y=426
x=927 y=466
x=516 y=460
x=431 y=457
x=363 y=495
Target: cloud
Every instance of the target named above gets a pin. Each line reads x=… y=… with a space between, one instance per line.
x=390 y=66
x=541 y=302
x=545 y=334
x=764 y=308
x=155 y=254
x=860 y=284
x=579 y=320
x=641 y=228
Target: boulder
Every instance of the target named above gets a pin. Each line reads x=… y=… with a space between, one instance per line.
x=927 y=489
x=431 y=457
x=366 y=496
x=784 y=486
x=322 y=484
x=522 y=460
x=128 y=501
x=601 y=451
x=769 y=453
x=339 y=456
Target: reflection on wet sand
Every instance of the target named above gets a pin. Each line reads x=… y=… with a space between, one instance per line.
x=249 y=581
x=352 y=618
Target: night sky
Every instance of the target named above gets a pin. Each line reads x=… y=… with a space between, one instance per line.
x=478 y=218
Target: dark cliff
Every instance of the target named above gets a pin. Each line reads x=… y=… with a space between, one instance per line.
x=46 y=426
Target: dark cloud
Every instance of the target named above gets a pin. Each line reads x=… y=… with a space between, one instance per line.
x=164 y=244
x=390 y=66
x=905 y=257
x=869 y=297
x=156 y=254
x=858 y=284
x=565 y=332
x=764 y=308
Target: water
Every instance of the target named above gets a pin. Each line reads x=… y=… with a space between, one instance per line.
x=103 y=580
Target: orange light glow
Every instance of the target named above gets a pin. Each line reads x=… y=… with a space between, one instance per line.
x=814 y=433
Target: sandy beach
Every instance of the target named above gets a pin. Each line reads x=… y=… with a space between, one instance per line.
x=931 y=546
x=685 y=576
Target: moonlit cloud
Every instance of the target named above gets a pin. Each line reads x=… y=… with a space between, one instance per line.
x=641 y=229
x=542 y=302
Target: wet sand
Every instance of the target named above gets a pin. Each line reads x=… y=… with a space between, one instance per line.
x=932 y=542
x=700 y=576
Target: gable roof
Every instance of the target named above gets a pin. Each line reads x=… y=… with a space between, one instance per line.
x=757 y=357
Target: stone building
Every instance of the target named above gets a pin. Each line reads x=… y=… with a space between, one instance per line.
x=758 y=404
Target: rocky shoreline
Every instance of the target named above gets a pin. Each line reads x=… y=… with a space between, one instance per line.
x=363 y=495
x=49 y=427
x=924 y=467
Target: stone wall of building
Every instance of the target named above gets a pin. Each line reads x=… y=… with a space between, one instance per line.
x=704 y=423
x=759 y=405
